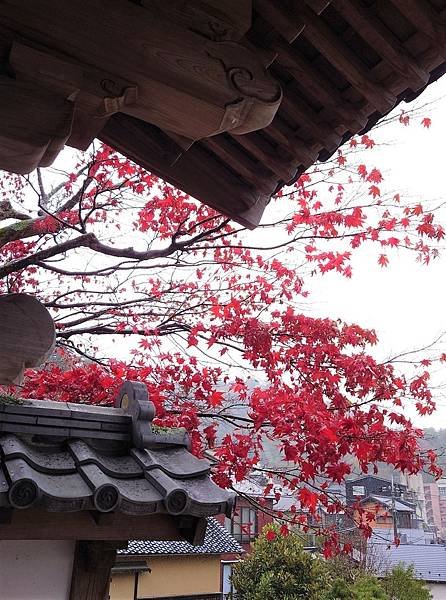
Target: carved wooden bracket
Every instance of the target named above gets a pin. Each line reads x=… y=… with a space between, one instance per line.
x=187 y=72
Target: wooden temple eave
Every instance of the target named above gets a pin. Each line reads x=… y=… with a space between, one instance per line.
x=34 y=524
x=310 y=74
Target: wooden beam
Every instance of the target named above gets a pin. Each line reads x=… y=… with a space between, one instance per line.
x=422 y=15
x=281 y=133
x=238 y=160
x=216 y=19
x=93 y=561
x=275 y=13
x=259 y=148
x=307 y=76
x=318 y=5
x=310 y=121
x=342 y=58
x=195 y=172
x=41 y=525
x=382 y=40
x=183 y=81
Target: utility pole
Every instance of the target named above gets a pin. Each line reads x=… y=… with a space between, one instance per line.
x=395 y=526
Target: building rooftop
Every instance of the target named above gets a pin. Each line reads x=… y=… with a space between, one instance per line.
x=387 y=502
x=63 y=457
x=406 y=535
x=428 y=560
x=216 y=541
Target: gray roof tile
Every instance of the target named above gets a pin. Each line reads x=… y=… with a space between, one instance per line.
x=428 y=560
x=175 y=461
x=386 y=501
x=60 y=462
x=59 y=458
x=114 y=466
x=217 y=540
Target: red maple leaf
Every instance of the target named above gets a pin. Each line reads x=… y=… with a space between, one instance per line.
x=383 y=260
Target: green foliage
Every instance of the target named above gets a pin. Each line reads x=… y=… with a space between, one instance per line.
x=9 y=399
x=367 y=587
x=343 y=567
x=400 y=584
x=339 y=590
x=280 y=569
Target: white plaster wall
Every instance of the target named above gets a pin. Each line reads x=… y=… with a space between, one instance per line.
x=35 y=569
x=438 y=591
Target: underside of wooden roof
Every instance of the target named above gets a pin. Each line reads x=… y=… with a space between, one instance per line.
x=340 y=66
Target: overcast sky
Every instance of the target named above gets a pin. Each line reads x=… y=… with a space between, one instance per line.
x=406 y=302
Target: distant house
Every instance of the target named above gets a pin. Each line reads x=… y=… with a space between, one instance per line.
x=387 y=510
x=253 y=511
x=370 y=485
x=406 y=536
x=429 y=563
x=174 y=570
x=435 y=494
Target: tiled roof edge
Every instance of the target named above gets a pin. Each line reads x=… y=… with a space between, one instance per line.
x=129 y=421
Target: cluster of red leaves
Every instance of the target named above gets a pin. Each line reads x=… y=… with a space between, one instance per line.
x=323 y=398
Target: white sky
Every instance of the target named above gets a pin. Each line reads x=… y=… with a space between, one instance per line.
x=406 y=302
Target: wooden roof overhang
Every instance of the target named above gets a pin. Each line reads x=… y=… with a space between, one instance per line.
x=229 y=100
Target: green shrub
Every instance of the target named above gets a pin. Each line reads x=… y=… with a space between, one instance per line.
x=280 y=569
x=400 y=584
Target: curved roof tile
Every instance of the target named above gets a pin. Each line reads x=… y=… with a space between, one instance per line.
x=60 y=457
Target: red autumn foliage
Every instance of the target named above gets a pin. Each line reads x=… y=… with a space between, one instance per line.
x=146 y=284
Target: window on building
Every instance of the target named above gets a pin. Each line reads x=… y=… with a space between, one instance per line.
x=244 y=524
x=229 y=592
x=442 y=491
x=358 y=490
x=404 y=520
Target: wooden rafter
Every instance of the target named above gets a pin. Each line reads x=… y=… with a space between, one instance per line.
x=340 y=66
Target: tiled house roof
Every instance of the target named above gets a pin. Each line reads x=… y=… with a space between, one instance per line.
x=63 y=457
x=217 y=541
x=428 y=560
x=387 y=502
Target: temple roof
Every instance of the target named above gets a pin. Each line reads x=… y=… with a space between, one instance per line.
x=228 y=100
x=64 y=457
x=342 y=66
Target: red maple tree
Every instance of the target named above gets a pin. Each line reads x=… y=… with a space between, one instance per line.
x=145 y=283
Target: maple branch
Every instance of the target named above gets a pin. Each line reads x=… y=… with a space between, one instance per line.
x=62 y=248
x=89 y=240
x=29 y=227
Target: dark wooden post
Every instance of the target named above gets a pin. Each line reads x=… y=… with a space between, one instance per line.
x=93 y=560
